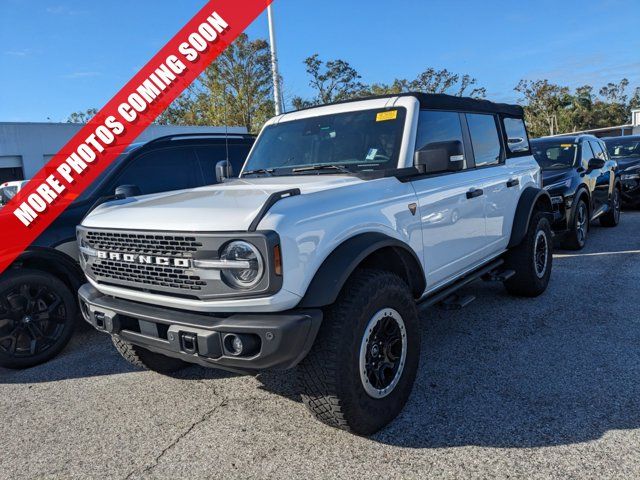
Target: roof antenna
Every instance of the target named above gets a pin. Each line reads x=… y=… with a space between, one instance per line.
x=226 y=129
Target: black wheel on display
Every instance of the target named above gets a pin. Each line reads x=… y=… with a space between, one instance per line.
x=38 y=315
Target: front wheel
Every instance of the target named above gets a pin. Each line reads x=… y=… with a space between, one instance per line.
x=38 y=315
x=361 y=369
x=612 y=217
x=531 y=260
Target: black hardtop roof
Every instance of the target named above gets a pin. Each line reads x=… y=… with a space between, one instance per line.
x=441 y=101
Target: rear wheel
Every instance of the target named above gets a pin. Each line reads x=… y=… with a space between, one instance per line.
x=38 y=315
x=361 y=369
x=531 y=260
x=146 y=359
x=612 y=217
x=576 y=237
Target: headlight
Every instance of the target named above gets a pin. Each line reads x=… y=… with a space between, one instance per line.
x=563 y=184
x=630 y=176
x=246 y=264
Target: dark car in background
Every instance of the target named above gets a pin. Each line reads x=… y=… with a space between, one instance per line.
x=626 y=152
x=583 y=183
x=38 y=302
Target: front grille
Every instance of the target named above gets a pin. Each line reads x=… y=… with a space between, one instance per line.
x=144 y=243
x=147 y=274
x=162 y=263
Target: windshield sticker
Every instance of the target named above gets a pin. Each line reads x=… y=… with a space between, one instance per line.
x=384 y=116
x=371 y=154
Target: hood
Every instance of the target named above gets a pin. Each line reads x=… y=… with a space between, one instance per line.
x=626 y=162
x=551 y=177
x=231 y=206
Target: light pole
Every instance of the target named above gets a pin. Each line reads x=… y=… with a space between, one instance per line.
x=277 y=97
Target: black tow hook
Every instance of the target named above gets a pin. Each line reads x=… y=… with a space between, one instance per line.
x=189 y=343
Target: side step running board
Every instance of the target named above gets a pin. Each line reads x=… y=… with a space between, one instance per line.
x=498 y=276
x=445 y=293
x=456 y=302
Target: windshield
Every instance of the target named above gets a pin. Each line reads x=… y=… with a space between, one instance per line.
x=623 y=147
x=554 y=155
x=351 y=141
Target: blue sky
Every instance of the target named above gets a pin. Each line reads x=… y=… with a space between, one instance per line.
x=59 y=56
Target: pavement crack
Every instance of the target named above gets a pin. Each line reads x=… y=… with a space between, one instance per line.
x=156 y=461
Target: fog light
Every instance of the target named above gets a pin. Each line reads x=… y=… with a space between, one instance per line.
x=236 y=345
x=241 y=345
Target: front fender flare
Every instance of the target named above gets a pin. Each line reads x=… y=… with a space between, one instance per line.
x=340 y=264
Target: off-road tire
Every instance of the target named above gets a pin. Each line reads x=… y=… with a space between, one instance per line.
x=612 y=217
x=527 y=281
x=331 y=385
x=146 y=359
x=68 y=312
x=572 y=239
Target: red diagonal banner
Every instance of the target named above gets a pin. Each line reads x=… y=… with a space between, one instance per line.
x=120 y=121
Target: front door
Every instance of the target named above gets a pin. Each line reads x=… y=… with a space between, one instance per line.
x=451 y=205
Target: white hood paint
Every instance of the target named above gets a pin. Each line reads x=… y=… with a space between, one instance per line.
x=231 y=206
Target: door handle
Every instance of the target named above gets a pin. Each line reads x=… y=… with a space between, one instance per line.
x=475 y=192
x=513 y=182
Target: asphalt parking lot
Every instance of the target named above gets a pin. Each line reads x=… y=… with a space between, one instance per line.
x=507 y=388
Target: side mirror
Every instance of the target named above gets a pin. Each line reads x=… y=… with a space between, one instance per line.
x=595 y=164
x=440 y=157
x=224 y=170
x=125 y=191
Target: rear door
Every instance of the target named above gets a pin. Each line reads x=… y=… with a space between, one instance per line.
x=502 y=178
x=450 y=206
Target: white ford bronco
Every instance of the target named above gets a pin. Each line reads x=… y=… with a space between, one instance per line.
x=344 y=219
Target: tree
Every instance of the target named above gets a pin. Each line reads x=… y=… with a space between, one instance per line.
x=336 y=80
x=234 y=90
x=333 y=80
x=545 y=105
x=635 y=100
x=82 y=117
x=614 y=107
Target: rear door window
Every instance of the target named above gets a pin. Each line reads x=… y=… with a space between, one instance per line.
x=517 y=141
x=162 y=170
x=485 y=140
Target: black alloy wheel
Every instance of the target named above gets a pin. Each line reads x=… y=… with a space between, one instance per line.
x=37 y=317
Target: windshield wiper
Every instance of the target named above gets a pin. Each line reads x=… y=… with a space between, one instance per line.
x=321 y=167
x=268 y=171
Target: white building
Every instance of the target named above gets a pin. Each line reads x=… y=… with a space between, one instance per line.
x=27 y=147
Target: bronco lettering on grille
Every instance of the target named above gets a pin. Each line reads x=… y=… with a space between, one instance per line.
x=145 y=259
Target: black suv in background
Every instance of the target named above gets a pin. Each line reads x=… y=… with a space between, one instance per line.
x=583 y=183
x=626 y=151
x=38 y=302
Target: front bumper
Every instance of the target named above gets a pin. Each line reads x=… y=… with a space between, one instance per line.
x=631 y=192
x=274 y=340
